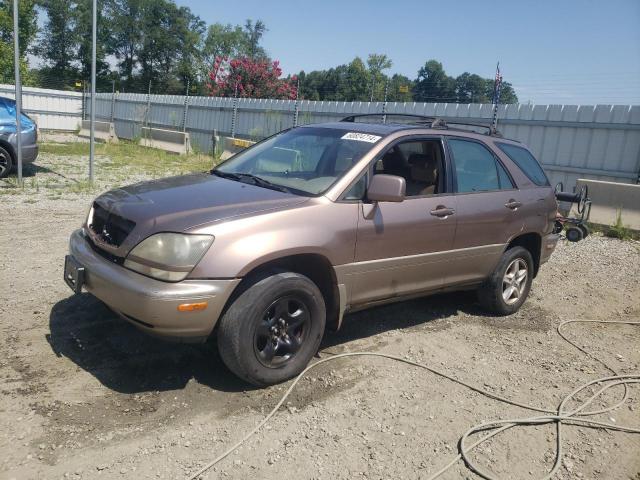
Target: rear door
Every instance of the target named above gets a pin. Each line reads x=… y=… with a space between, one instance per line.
x=403 y=248
x=489 y=210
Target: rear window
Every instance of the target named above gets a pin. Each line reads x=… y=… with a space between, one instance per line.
x=527 y=163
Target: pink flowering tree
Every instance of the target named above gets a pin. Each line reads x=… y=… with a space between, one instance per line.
x=252 y=78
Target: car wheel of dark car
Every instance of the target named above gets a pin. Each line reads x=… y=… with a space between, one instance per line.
x=504 y=292
x=6 y=162
x=272 y=329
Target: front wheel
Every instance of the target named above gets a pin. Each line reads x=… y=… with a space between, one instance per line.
x=272 y=329
x=504 y=292
x=6 y=163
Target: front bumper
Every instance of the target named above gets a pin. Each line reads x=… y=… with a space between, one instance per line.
x=549 y=243
x=152 y=305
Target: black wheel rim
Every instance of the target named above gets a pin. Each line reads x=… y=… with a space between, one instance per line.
x=4 y=163
x=281 y=331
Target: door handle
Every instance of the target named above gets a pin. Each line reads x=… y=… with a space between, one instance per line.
x=513 y=204
x=442 y=212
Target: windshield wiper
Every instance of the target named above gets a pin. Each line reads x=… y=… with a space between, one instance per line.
x=222 y=174
x=259 y=181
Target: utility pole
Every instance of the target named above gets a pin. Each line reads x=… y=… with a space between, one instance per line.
x=16 y=63
x=92 y=136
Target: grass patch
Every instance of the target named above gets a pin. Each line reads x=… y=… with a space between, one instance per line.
x=134 y=159
x=618 y=230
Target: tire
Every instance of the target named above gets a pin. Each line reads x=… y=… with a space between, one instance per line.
x=584 y=230
x=574 y=234
x=493 y=293
x=6 y=163
x=249 y=346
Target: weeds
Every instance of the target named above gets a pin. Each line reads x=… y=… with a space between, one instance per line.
x=618 y=230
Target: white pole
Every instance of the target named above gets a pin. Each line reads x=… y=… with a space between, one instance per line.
x=92 y=139
x=16 y=58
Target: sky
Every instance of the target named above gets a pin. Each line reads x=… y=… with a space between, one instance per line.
x=553 y=52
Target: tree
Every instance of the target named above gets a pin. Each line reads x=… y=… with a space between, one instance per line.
x=57 y=45
x=472 y=88
x=433 y=84
x=27 y=29
x=400 y=89
x=507 y=93
x=83 y=33
x=250 y=78
x=377 y=63
x=253 y=35
x=125 y=35
x=223 y=41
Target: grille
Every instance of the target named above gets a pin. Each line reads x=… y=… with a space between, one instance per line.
x=111 y=228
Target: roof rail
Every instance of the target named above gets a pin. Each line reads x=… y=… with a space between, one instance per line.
x=430 y=122
x=352 y=118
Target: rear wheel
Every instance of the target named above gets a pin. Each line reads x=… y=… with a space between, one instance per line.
x=272 y=329
x=6 y=163
x=504 y=292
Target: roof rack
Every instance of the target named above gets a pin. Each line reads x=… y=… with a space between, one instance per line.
x=352 y=118
x=430 y=122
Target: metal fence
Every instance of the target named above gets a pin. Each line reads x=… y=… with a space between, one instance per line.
x=571 y=141
x=52 y=109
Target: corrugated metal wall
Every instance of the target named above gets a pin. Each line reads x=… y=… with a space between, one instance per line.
x=599 y=142
x=52 y=109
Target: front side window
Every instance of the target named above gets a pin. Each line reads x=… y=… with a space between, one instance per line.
x=477 y=170
x=527 y=163
x=419 y=162
x=305 y=160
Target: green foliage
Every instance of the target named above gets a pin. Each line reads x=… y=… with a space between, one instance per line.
x=618 y=230
x=27 y=28
x=434 y=85
x=160 y=43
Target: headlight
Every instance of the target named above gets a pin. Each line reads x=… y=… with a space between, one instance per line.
x=168 y=256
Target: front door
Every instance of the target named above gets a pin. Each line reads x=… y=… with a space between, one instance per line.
x=402 y=248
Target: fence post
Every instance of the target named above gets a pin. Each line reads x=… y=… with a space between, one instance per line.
x=384 y=104
x=113 y=100
x=235 y=113
x=84 y=99
x=297 y=106
x=186 y=108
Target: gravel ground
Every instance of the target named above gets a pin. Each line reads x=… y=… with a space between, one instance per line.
x=84 y=395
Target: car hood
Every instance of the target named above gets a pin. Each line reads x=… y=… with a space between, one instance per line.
x=182 y=203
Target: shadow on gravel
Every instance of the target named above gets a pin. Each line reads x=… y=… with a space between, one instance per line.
x=407 y=314
x=125 y=360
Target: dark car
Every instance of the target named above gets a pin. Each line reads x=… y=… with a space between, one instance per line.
x=282 y=239
x=8 y=141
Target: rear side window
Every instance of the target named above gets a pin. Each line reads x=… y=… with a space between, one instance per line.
x=477 y=170
x=527 y=163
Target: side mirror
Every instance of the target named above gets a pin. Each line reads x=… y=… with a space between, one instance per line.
x=386 y=188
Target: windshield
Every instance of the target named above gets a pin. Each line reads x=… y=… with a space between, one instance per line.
x=304 y=160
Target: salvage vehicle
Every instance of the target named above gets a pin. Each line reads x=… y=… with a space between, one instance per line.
x=8 y=140
x=276 y=244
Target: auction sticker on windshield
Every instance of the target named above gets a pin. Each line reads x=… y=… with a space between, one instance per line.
x=361 y=137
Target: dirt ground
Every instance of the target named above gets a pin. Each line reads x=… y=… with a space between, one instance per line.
x=84 y=395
